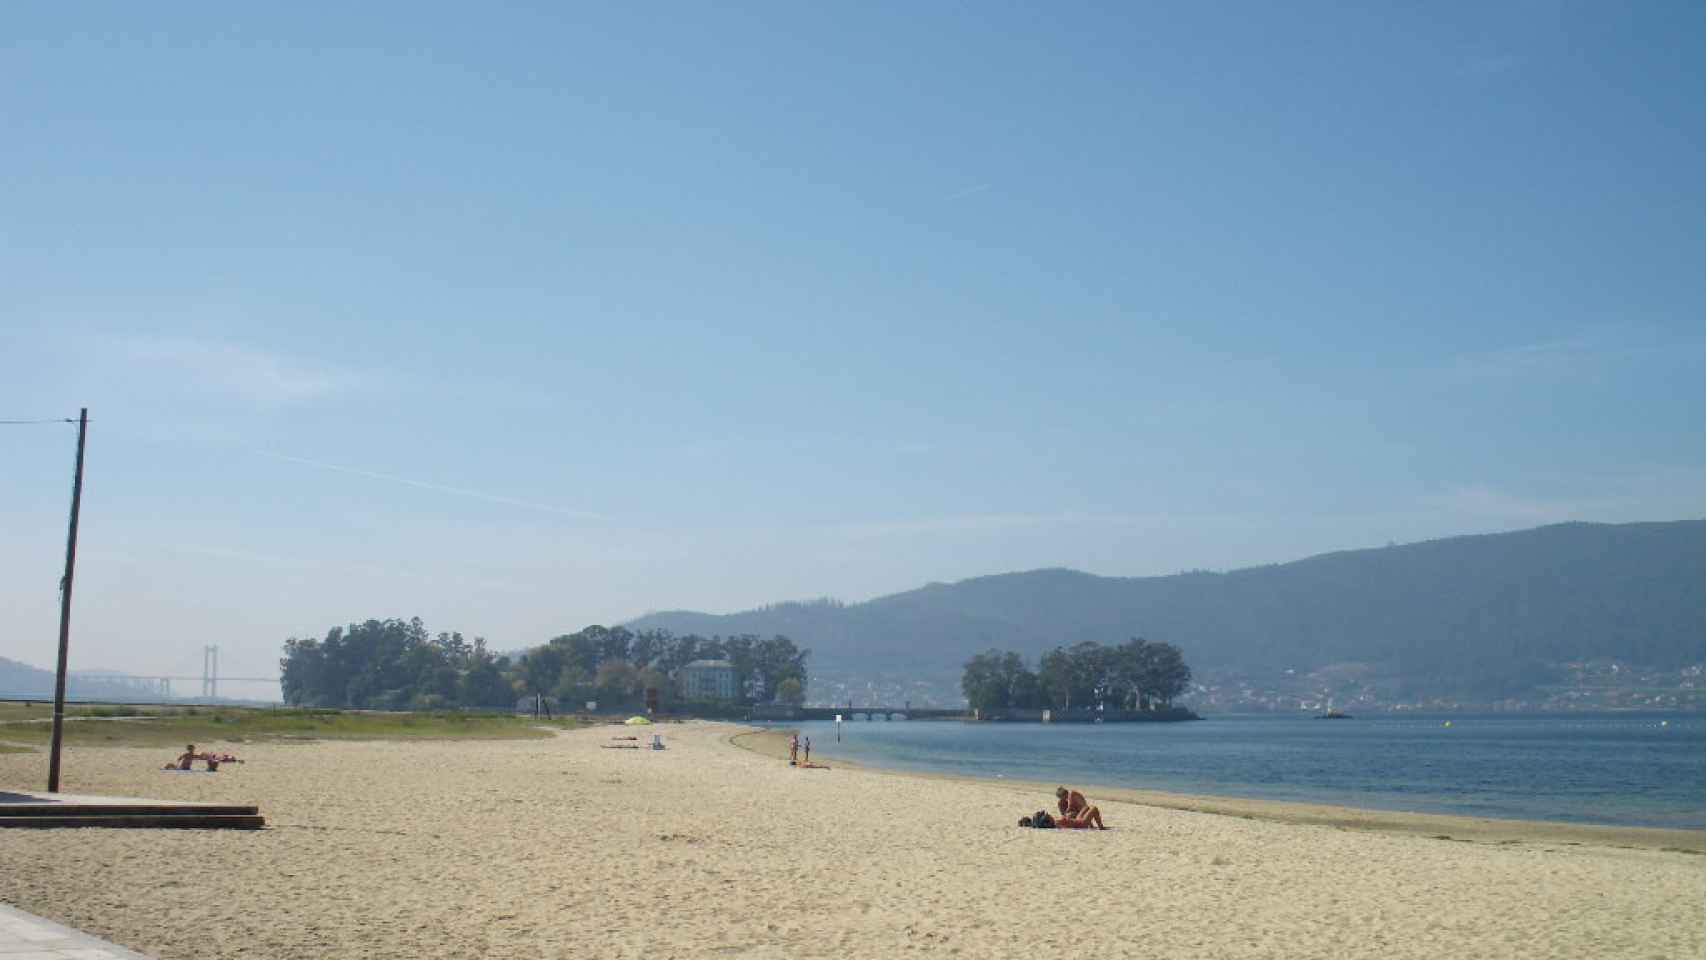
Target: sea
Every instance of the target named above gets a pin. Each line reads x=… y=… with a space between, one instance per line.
x=1631 y=769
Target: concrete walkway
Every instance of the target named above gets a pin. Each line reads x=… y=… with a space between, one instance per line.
x=24 y=936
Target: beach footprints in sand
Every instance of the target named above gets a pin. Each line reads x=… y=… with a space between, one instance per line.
x=919 y=937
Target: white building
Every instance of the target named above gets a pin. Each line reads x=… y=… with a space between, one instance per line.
x=707 y=680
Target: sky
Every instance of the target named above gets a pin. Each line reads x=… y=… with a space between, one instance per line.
x=522 y=317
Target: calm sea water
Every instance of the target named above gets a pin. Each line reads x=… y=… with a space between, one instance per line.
x=1632 y=769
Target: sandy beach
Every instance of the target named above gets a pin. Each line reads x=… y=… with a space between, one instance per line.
x=558 y=847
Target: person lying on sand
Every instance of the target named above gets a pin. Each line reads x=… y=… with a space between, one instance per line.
x=1091 y=817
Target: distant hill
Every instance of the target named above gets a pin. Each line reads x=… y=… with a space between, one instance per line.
x=22 y=680
x=18 y=679
x=1484 y=613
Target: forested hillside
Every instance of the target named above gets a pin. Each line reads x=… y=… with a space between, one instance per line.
x=1490 y=612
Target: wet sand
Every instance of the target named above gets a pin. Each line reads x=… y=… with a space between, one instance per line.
x=561 y=848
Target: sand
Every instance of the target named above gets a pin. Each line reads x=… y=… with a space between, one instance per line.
x=558 y=848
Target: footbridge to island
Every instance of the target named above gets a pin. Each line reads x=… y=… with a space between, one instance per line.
x=850 y=712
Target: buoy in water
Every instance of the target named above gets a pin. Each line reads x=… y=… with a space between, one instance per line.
x=1448 y=723
x=1664 y=723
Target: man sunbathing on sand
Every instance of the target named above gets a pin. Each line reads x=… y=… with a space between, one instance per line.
x=185 y=759
x=1075 y=811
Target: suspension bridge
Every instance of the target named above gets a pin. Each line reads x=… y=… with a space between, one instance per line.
x=145 y=687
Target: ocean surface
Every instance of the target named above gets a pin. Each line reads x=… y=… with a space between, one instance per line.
x=1612 y=768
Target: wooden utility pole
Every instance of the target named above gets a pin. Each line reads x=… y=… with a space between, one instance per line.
x=65 y=609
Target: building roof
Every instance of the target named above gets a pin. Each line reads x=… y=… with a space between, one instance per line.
x=710 y=665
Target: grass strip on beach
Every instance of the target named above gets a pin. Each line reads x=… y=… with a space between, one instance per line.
x=93 y=725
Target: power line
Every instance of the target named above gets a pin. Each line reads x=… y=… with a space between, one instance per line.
x=14 y=423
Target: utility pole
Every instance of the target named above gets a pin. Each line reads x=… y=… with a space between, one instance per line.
x=65 y=609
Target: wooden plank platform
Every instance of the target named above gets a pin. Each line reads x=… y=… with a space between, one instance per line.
x=44 y=810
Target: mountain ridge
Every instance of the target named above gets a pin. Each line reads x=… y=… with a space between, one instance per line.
x=1501 y=605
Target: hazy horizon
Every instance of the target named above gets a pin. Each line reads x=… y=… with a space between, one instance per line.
x=519 y=320
x=226 y=670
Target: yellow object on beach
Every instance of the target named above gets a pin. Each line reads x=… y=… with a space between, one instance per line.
x=636 y=721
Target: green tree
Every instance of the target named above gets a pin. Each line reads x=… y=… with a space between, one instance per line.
x=981 y=682
x=740 y=652
x=616 y=681
x=994 y=680
x=1066 y=678
x=1166 y=674
x=647 y=647
x=541 y=668
x=574 y=686
x=485 y=683
x=775 y=660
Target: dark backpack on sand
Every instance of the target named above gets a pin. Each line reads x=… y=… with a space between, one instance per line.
x=1042 y=820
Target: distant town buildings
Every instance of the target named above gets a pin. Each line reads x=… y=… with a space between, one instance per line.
x=1357 y=689
x=708 y=680
x=1582 y=685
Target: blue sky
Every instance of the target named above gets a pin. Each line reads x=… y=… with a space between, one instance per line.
x=532 y=316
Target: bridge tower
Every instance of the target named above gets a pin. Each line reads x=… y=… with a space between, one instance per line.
x=210 y=671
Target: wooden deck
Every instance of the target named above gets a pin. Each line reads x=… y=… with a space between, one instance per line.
x=43 y=810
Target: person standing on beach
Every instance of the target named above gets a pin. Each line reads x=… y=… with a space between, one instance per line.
x=806 y=744
x=794 y=750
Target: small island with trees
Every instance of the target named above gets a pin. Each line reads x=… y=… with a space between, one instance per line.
x=1085 y=683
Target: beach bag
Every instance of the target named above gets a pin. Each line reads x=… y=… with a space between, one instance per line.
x=1042 y=821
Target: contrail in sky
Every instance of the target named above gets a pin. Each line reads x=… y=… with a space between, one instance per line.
x=439 y=488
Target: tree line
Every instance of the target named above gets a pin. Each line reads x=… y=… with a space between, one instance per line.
x=1135 y=675
x=397 y=664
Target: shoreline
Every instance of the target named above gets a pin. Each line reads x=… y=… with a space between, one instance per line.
x=561 y=846
x=772 y=742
